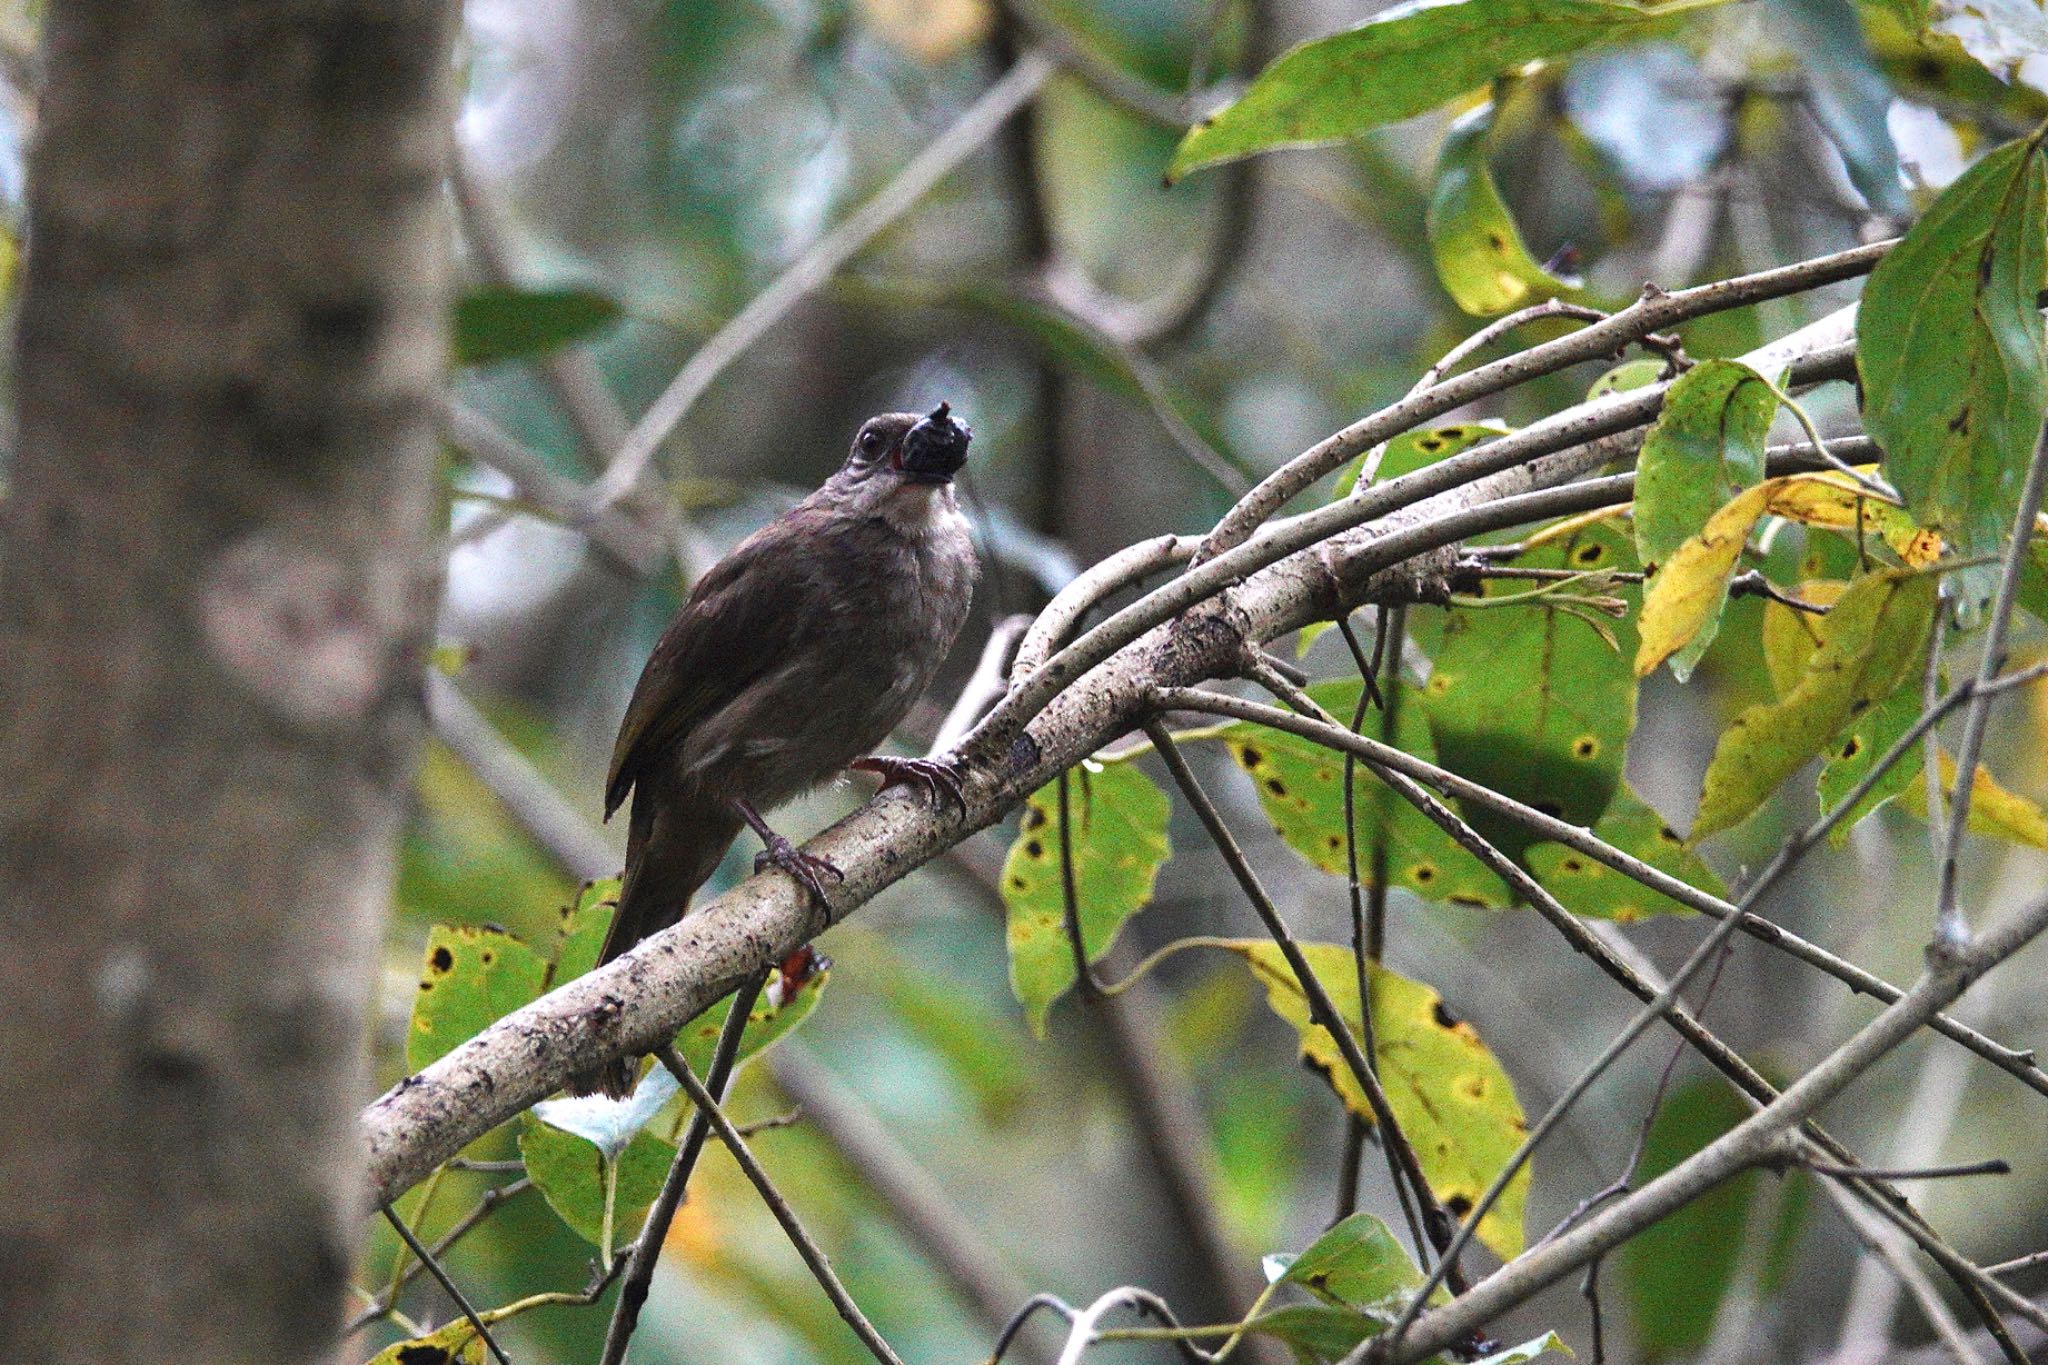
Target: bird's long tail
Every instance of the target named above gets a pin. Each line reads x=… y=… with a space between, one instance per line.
x=669 y=854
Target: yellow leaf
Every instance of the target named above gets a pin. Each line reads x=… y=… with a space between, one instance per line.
x=1829 y=500
x=1790 y=636
x=1995 y=809
x=455 y=1344
x=1686 y=591
x=1450 y=1094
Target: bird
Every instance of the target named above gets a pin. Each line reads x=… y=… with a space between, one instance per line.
x=789 y=661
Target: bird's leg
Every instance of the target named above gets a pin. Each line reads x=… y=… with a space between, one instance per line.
x=937 y=778
x=808 y=871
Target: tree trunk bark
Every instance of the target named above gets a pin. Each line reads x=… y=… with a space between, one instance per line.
x=216 y=581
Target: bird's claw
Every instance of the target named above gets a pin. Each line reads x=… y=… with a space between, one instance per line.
x=939 y=779
x=808 y=870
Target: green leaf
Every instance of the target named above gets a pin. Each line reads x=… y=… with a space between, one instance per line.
x=1951 y=351
x=1403 y=62
x=786 y=1002
x=1860 y=744
x=1316 y=1333
x=1301 y=789
x=498 y=322
x=1870 y=643
x=1118 y=824
x=1527 y=1351
x=1357 y=1264
x=1629 y=374
x=1415 y=450
x=1484 y=264
x=1675 y=1272
x=1451 y=1096
x=1590 y=888
x=1531 y=700
x=1707 y=447
x=571 y=1175
x=472 y=977
x=583 y=930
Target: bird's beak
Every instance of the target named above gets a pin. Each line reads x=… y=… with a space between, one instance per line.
x=936 y=447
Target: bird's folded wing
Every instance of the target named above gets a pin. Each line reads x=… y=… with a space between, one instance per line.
x=744 y=616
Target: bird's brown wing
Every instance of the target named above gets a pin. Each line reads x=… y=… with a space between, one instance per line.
x=735 y=626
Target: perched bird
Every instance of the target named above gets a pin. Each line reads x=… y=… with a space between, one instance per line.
x=792 y=658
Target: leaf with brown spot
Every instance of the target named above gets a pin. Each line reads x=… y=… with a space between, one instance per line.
x=1452 y=1097
x=1118 y=821
x=1593 y=889
x=1300 y=785
x=471 y=977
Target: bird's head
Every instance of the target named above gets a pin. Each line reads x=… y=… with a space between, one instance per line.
x=900 y=458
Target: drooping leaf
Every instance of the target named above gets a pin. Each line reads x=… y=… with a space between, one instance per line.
x=1451 y=1096
x=472 y=977
x=1532 y=700
x=1686 y=595
x=1406 y=60
x=1301 y=789
x=498 y=322
x=1707 y=447
x=572 y=1174
x=1951 y=351
x=1118 y=820
x=1870 y=643
x=1590 y=888
x=1481 y=259
x=1995 y=809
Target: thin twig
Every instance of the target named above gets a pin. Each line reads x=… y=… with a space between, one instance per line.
x=813 y=1256
x=1321 y=1008
x=1995 y=1166
x=654 y=1230
x=1950 y=928
x=433 y=1266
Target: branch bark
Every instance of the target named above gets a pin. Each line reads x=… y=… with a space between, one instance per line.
x=218 y=568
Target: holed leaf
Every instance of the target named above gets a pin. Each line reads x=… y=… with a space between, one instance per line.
x=1453 y=1100
x=1404 y=61
x=472 y=977
x=1481 y=259
x=1413 y=450
x=1870 y=643
x=1951 y=351
x=499 y=322
x=1301 y=789
x=1118 y=820
x=1861 y=743
x=1586 y=887
x=1707 y=447
x=1532 y=700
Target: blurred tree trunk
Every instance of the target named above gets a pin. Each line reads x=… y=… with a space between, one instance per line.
x=216 y=580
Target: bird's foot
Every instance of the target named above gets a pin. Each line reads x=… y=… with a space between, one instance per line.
x=939 y=779
x=808 y=870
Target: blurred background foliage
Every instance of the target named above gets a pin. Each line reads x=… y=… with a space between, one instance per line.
x=1130 y=357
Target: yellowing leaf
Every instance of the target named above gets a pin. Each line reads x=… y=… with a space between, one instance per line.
x=1790 y=636
x=1689 y=588
x=1118 y=829
x=1870 y=643
x=1453 y=1100
x=1995 y=809
x=455 y=1344
x=1828 y=499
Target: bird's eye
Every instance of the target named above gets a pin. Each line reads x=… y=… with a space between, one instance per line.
x=870 y=442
